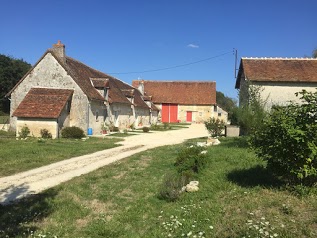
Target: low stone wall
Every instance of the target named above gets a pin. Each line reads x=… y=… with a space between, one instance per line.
x=232 y=131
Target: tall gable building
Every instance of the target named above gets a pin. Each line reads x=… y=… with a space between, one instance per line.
x=60 y=91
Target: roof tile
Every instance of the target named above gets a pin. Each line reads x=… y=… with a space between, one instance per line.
x=180 y=92
x=278 y=70
x=43 y=103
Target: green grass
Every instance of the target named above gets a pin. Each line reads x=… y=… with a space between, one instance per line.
x=4 y=119
x=236 y=196
x=21 y=155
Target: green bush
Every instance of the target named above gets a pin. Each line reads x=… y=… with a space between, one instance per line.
x=172 y=186
x=250 y=114
x=45 y=134
x=167 y=126
x=190 y=160
x=25 y=131
x=288 y=140
x=72 y=132
x=215 y=126
x=146 y=129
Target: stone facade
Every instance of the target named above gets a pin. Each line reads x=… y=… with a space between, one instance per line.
x=276 y=79
x=200 y=113
x=95 y=99
x=36 y=125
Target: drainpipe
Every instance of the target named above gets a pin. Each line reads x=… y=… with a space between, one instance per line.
x=88 y=107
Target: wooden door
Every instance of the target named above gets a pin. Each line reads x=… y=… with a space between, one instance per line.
x=189 y=116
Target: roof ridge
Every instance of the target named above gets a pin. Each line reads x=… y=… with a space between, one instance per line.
x=279 y=58
x=176 y=81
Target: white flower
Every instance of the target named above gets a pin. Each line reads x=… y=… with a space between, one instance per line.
x=189 y=233
x=211 y=227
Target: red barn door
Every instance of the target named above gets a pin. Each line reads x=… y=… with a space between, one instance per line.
x=169 y=112
x=189 y=116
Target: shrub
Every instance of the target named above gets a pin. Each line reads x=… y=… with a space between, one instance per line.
x=146 y=129
x=45 y=134
x=156 y=127
x=73 y=132
x=171 y=187
x=190 y=160
x=288 y=140
x=25 y=131
x=250 y=114
x=166 y=126
x=215 y=126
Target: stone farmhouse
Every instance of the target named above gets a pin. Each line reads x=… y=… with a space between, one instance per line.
x=278 y=79
x=60 y=91
x=182 y=101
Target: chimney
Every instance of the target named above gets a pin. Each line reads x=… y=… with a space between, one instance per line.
x=59 y=50
x=141 y=87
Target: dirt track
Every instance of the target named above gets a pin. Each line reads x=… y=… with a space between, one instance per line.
x=39 y=179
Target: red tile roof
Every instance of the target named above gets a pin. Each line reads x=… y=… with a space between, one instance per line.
x=43 y=103
x=180 y=92
x=88 y=79
x=82 y=73
x=100 y=82
x=278 y=70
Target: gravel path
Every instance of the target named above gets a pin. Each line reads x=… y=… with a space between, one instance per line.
x=36 y=180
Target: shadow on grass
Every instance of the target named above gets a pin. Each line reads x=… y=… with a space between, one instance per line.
x=256 y=176
x=16 y=218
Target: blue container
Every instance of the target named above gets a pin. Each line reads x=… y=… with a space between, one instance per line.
x=89 y=131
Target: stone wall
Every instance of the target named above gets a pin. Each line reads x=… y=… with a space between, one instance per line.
x=281 y=93
x=274 y=93
x=36 y=125
x=48 y=73
x=200 y=113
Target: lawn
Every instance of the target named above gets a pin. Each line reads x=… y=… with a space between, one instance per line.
x=237 y=198
x=4 y=119
x=22 y=155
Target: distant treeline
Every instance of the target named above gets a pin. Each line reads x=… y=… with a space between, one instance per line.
x=11 y=71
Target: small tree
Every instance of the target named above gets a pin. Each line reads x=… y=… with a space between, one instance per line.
x=252 y=112
x=314 y=55
x=215 y=126
x=288 y=140
x=25 y=131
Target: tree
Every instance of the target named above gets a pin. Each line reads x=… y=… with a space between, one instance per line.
x=228 y=104
x=214 y=126
x=251 y=114
x=11 y=71
x=288 y=140
x=314 y=55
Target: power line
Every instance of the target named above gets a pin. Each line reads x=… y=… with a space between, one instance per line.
x=176 y=66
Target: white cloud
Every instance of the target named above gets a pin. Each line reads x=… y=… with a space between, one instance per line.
x=192 y=46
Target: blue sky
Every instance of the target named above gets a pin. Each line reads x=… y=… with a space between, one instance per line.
x=122 y=36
